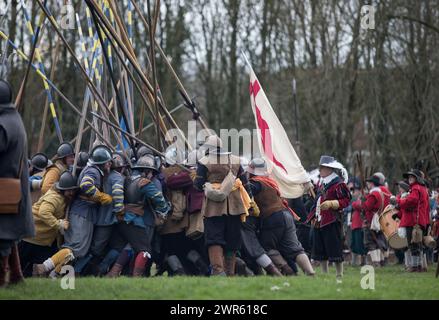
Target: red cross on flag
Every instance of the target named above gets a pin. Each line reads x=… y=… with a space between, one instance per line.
x=274 y=145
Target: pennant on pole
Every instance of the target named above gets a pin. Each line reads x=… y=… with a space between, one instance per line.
x=274 y=145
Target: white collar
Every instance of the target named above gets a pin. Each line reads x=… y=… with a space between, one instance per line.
x=329 y=178
x=375 y=189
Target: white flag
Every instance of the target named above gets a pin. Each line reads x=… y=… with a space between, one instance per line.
x=274 y=145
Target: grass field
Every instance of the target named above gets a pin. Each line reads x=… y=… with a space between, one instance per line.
x=390 y=283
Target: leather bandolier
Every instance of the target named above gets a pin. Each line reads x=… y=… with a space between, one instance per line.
x=268 y=201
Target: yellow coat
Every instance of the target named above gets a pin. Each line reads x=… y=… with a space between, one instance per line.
x=47 y=212
x=52 y=175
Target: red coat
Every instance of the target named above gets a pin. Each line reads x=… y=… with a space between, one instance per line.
x=373 y=203
x=407 y=217
x=334 y=191
x=417 y=202
x=357 y=221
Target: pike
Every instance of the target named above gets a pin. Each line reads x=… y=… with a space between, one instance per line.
x=136 y=139
x=46 y=106
x=111 y=31
x=50 y=101
x=182 y=90
x=113 y=80
x=154 y=76
x=20 y=94
x=126 y=41
x=108 y=28
x=71 y=51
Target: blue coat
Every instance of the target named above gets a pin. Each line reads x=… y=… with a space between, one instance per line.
x=90 y=180
x=113 y=185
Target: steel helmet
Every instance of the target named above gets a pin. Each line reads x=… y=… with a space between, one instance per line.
x=145 y=162
x=82 y=159
x=39 y=161
x=67 y=182
x=65 y=149
x=119 y=160
x=143 y=151
x=100 y=155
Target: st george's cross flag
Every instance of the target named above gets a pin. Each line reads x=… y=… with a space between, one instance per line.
x=274 y=145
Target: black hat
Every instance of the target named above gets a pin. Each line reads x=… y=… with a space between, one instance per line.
x=374 y=179
x=65 y=149
x=5 y=92
x=404 y=185
x=100 y=155
x=66 y=182
x=416 y=173
x=39 y=161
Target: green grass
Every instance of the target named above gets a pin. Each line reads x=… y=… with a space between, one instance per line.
x=390 y=283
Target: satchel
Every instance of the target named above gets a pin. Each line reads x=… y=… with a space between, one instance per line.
x=195 y=229
x=10 y=193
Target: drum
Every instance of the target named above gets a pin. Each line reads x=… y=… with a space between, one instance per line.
x=390 y=229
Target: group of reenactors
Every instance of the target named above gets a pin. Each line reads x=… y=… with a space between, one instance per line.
x=205 y=213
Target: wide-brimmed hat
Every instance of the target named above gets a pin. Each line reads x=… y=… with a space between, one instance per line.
x=258 y=167
x=381 y=176
x=374 y=179
x=416 y=173
x=215 y=145
x=329 y=162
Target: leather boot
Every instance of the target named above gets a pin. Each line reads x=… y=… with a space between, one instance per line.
x=175 y=266
x=115 y=271
x=15 y=275
x=241 y=268
x=118 y=266
x=304 y=264
x=280 y=263
x=273 y=271
x=3 y=270
x=230 y=263
x=216 y=258
x=194 y=257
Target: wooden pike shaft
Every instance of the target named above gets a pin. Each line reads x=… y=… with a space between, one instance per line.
x=90 y=83
x=167 y=62
x=162 y=124
x=20 y=94
x=109 y=29
x=46 y=106
x=154 y=76
x=137 y=139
